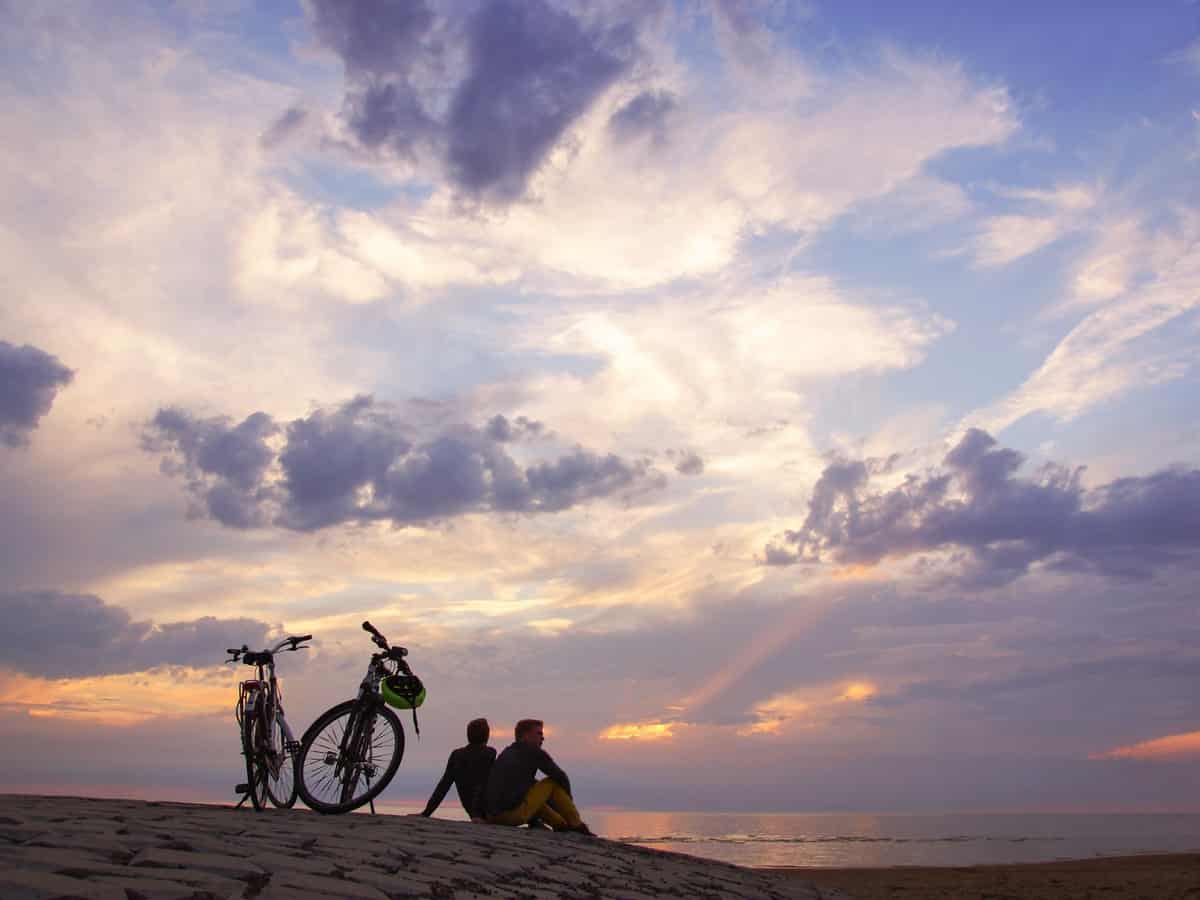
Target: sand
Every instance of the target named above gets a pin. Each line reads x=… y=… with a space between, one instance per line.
x=1165 y=877
x=70 y=847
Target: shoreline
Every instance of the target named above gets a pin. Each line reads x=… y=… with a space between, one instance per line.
x=1162 y=876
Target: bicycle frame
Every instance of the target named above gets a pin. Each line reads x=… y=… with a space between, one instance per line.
x=357 y=737
x=261 y=690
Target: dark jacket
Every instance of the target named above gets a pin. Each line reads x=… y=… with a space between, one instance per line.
x=467 y=769
x=514 y=773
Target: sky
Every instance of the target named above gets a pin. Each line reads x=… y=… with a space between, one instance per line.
x=791 y=403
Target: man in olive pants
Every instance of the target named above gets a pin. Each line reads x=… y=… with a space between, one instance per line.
x=514 y=796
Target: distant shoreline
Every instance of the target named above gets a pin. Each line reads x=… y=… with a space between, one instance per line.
x=1163 y=876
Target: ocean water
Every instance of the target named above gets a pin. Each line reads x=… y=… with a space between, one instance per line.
x=891 y=839
x=883 y=839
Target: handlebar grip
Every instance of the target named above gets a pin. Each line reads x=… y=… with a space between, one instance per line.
x=368 y=627
x=306 y=637
x=232 y=650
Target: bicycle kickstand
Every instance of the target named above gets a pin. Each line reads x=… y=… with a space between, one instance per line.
x=372 y=802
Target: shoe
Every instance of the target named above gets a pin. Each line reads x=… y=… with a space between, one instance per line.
x=536 y=824
x=582 y=828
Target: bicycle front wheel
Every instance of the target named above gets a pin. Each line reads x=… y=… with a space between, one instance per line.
x=348 y=756
x=281 y=769
x=254 y=749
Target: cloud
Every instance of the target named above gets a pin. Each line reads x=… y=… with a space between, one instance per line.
x=647 y=113
x=1107 y=353
x=223 y=464
x=977 y=503
x=358 y=463
x=283 y=127
x=1172 y=746
x=529 y=71
x=29 y=380
x=689 y=463
x=56 y=635
x=1007 y=238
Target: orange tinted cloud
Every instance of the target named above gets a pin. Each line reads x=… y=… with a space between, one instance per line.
x=639 y=731
x=1167 y=747
x=120 y=699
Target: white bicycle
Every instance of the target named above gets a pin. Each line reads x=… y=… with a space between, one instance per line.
x=268 y=743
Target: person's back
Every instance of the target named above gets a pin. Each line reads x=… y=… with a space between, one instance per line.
x=468 y=770
x=514 y=773
x=515 y=797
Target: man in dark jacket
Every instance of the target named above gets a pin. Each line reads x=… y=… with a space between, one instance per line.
x=514 y=796
x=467 y=769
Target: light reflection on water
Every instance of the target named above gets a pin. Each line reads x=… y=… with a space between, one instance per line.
x=861 y=839
x=884 y=839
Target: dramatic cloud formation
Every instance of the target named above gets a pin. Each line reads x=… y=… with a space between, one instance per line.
x=29 y=380
x=531 y=70
x=356 y=463
x=976 y=502
x=56 y=635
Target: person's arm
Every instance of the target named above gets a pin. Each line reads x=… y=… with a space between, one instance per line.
x=550 y=767
x=439 y=792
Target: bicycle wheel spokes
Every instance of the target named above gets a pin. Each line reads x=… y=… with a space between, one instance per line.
x=281 y=769
x=348 y=758
x=254 y=747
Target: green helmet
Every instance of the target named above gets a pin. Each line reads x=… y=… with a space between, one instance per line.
x=402 y=691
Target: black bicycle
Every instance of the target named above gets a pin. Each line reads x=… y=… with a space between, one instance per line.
x=267 y=740
x=352 y=751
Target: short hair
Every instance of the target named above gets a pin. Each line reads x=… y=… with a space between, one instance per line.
x=527 y=725
x=478 y=731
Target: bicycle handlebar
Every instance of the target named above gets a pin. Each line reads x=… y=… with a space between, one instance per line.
x=262 y=657
x=381 y=642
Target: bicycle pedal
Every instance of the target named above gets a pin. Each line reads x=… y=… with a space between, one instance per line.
x=292 y=747
x=241 y=788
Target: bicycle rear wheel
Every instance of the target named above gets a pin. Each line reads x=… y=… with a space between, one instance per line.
x=348 y=756
x=253 y=745
x=281 y=769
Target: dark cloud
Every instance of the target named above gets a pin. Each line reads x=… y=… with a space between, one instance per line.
x=500 y=428
x=999 y=523
x=647 y=113
x=29 y=380
x=689 y=463
x=56 y=635
x=223 y=464
x=283 y=127
x=532 y=69
x=373 y=37
x=357 y=463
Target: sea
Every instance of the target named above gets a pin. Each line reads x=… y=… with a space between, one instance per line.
x=892 y=839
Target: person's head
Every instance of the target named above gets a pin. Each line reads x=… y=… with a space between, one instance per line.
x=530 y=731
x=478 y=731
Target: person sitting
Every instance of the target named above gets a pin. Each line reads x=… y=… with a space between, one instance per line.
x=514 y=796
x=467 y=769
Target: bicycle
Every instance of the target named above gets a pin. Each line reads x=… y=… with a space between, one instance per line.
x=267 y=740
x=352 y=751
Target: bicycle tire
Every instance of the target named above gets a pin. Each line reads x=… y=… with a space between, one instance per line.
x=326 y=783
x=256 y=766
x=281 y=770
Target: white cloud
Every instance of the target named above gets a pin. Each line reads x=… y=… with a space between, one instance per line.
x=1007 y=238
x=1100 y=358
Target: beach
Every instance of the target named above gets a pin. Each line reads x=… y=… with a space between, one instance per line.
x=1174 y=876
x=107 y=849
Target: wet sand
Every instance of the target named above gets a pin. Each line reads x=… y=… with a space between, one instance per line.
x=1173 y=876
